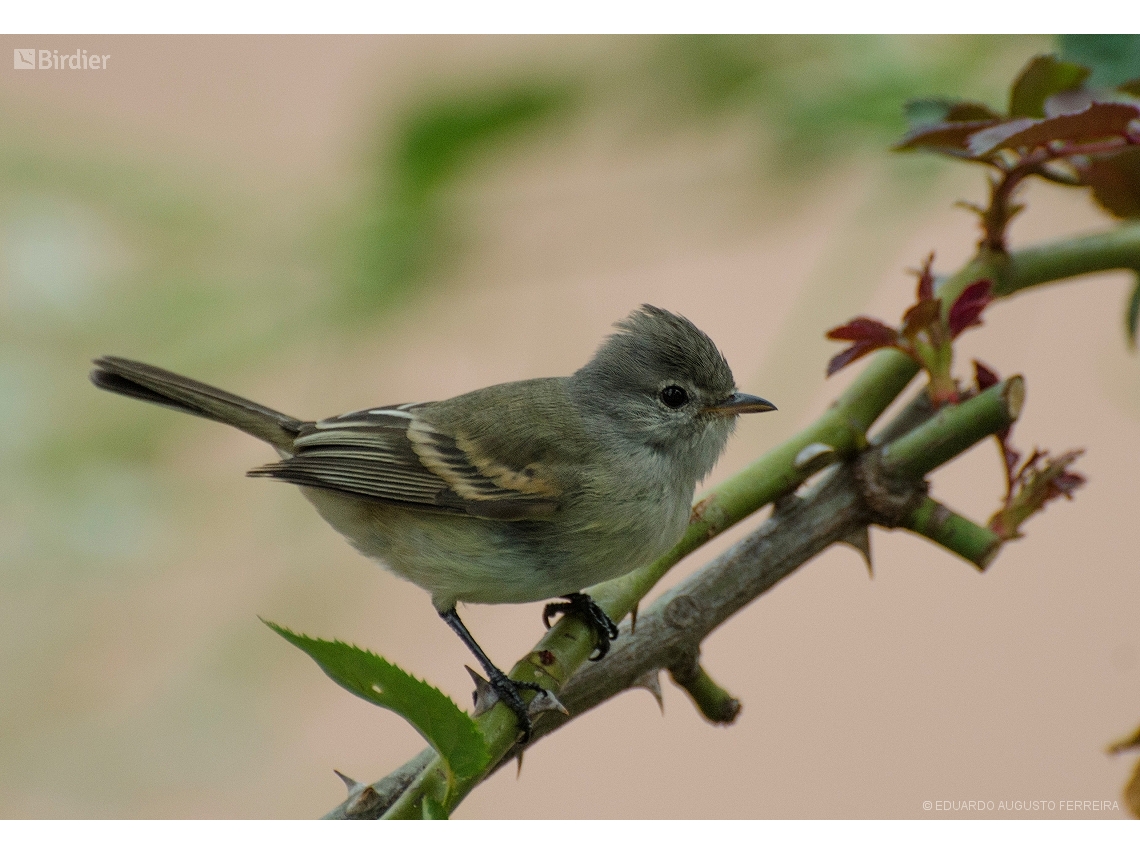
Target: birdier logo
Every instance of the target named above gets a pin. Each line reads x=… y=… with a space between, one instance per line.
x=80 y=60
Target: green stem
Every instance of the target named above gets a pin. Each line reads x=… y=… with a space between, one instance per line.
x=950 y=530
x=953 y=429
x=713 y=701
x=1113 y=250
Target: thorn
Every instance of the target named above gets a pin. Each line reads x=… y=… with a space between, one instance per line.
x=484 y=696
x=651 y=681
x=546 y=702
x=519 y=758
x=361 y=797
x=861 y=540
x=633 y=618
x=348 y=782
x=812 y=453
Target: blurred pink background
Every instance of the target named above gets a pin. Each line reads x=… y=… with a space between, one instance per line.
x=135 y=558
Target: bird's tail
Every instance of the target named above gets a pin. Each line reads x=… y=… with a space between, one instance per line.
x=147 y=383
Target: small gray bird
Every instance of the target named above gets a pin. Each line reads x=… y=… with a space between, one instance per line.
x=510 y=494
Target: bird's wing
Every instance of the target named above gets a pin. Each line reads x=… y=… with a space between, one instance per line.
x=395 y=455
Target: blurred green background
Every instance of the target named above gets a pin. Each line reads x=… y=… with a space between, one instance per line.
x=311 y=222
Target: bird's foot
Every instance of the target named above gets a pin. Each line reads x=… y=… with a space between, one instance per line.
x=584 y=607
x=508 y=691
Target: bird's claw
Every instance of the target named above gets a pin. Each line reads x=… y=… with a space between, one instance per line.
x=584 y=607
x=508 y=691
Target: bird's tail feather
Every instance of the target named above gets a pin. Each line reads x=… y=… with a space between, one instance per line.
x=147 y=383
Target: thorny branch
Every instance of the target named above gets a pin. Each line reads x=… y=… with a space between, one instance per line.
x=880 y=487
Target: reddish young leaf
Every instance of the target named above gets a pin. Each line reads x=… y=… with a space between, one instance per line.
x=920 y=316
x=945 y=138
x=1098 y=122
x=925 y=290
x=987 y=140
x=1065 y=483
x=967 y=309
x=863 y=329
x=985 y=376
x=846 y=357
x=1034 y=487
x=1043 y=77
x=1115 y=182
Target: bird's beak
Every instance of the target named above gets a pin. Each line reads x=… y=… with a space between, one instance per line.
x=738 y=403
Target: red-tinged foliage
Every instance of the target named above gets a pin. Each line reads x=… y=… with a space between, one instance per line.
x=1040 y=480
x=985 y=376
x=945 y=138
x=867 y=334
x=920 y=317
x=1098 y=122
x=1057 y=127
x=846 y=357
x=967 y=309
x=991 y=138
x=1065 y=483
x=866 y=329
x=924 y=336
x=925 y=288
x=1115 y=182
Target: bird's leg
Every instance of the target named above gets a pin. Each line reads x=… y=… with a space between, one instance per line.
x=584 y=606
x=506 y=688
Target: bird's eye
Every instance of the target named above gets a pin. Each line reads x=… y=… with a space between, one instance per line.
x=674 y=397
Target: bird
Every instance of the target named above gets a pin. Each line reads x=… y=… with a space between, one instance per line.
x=514 y=493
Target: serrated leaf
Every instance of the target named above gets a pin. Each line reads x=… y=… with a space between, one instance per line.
x=1044 y=76
x=448 y=729
x=1098 y=122
x=1132 y=314
x=1115 y=182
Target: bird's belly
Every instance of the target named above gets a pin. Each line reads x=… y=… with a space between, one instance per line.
x=467 y=559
